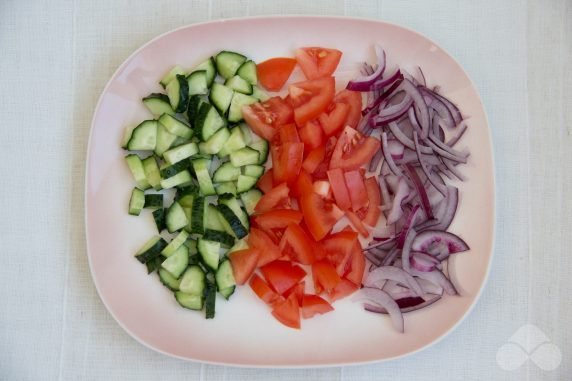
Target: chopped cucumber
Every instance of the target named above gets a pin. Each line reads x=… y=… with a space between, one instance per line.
x=233 y=220
x=152 y=249
x=215 y=143
x=219 y=236
x=259 y=94
x=176 y=126
x=262 y=147
x=152 y=172
x=201 y=167
x=226 y=187
x=224 y=276
x=236 y=208
x=176 y=218
x=178 y=93
x=228 y=63
x=209 y=251
x=168 y=280
x=245 y=183
x=210 y=300
x=137 y=170
x=239 y=245
x=208 y=121
x=239 y=85
x=235 y=142
x=179 y=153
x=143 y=137
x=226 y=172
x=136 y=202
x=209 y=67
x=211 y=220
x=175 y=244
x=158 y=104
x=165 y=140
x=197 y=213
x=153 y=201
x=253 y=170
x=171 y=75
x=250 y=199
x=227 y=292
x=198 y=84
x=247 y=71
x=189 y=301
x=159 y=218
x=193 y=281
x=177 y=262
x=180 y=179
x=244 y=156
x=220 y=97
x=235 y=109
x=171 y=170
x=246 y=133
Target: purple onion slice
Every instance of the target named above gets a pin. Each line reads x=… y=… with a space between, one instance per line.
x=428 y=238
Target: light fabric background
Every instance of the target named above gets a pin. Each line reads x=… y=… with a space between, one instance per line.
x=57 y=55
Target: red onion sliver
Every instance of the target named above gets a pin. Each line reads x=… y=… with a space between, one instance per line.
x=440 y=187
x=377 y=277
x=396 y=171
x=384 y=300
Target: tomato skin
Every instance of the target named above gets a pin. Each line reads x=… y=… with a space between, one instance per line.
x=263 y=118
x=272 y=198
x=356 y=189
x=278 y=218
x=273 y=73
x=325 y=275
x=314 y=158
x=287 y=161
x=303 y=184
x=287 y=312
x=319 y=215
x=314 y=304
x=375 y=201
x=297 y=290
x=357 y=223
x=266 y=181
x=353 y=150
x=301 y=244
x=311 y=135
x=339 y=188
x=318 y=62
x=357 y=265
x=289 y=134
x=339 y=249
x=243 y=264
x=262 y=290
x=343 y=289
x=354 y=100
x=311 y=98
x=334 y=121
x=269 y=251
x=282 y=275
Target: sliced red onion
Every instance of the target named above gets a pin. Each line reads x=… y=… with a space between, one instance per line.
x=372 y=258
x=392 y=113
x=388 y=260
x=406 y=251
x=396 y=211
x=429 y=287
x=383 y=83
x=372 y=106
x=421 y=110
x=423 y=262
x=413 y=120
x=446 y=151
x=403 y=139
x=364 y=83
x=451 y=167
x=453 y=141
x=384 y=300
x=449 y=210
x=437 y=277
x=373 y=164
x=440 y=187
x=414 y=214
x=440 y=108
x=420 y=191
x=377 y=277
x=421 y=76
x=416 y=307
x=430 y=237
x=395 y=149
x=395 y=169
x=410 y=156
x=426 y=224
x=457 y=117
x=384 y=192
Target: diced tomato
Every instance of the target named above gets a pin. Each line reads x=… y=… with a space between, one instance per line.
x=287 y=312
x=343 y=289
x=311 y=98
x=303 y=184
x=358 y=265
x=297 y=290
x=287 y=161
x=288 y=133
x=374 y=197
x=264 y=117
x=278 y=218
x=356 y=189
x=266 y=181
x=243 y=264
x=311 y=135
x=314 y=158
x=319 y=215
x=269 y=251
x=318 y=62
x=339 y=188
x=261 y=288
x=339 y=248
x=354 y=100
x=314 y=304
x=357 y=223
x=353 y=150
x=301 y=244
x=276 y=196
x=323 y=188
x=282 y=275
x=321 y=171
x=333 y=121
x=325 y=275
x=273 y=73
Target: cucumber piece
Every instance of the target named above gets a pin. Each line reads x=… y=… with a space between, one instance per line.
x=195 y=103
x=177 y=262
x=209 y=251
x=189 y=301
x=220 y=97
x=172 y=170
x=180 y=179
x=223 y=238
x=241 y=244
x=247 y=71
x=197 y=213
x=228 y=63
x=189 y=214
x=224 y=276
x=227 y=292
x=246 y=133
x=235 y=142
x=186 y=201
x=193 y=281
x=262 y=147
x=159 y=218
x=226 y=187
x=171 y=75
x=250 y=199
x=244 y=156
x=209 y=67
x=136 y=167
x=178 y=93
x=152 y=172
x=245 y=183
x=191 y=244
x=235 y=223
x=144 y=136
x=168 y=280
x=259 y=94
x=136 y=201
x=153 y=201
x=175 y=244
x=211 y=220
x=236 y=208
x=210 y=300
x=179 y=153
x=164 y=140
x=208 y=121
x=158 y=104
x=215 y=143
x=154 y=264
x=226 y=172
x=176 y=126
x=152 y=249
x=239 y=85
x=175 y=218
x=235 y=109
x=186 y=195
x=201 y=167
x=253 y=170
x=198 y=83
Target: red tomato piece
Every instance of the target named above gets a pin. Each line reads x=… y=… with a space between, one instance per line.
x=311 y=135
x=266 y=181
x=357 y=223
x=318 y=62
x=243 y=264
x=311 y=98
x=319 y=215
x=325 y=275
x=332 y=122
x=375 y=201
x=338 y=249
x=303 y=184
x=357 y=266
x=276 y=196
x=269 y=251
x=282 y=275
x=287 y=312
x=273 y=73
x=264 y=117
x=261 y=288
x=301 y=244
x=354 y=100
x=314 y=158
x=287 y=161
x=289 y=134
x=356 y=189
x=343 y=289
x=314 y=304
x=278 y=219
x=353 y=150
x=297 y=290
x=339 y=188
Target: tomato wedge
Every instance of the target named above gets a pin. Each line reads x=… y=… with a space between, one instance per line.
x=358 y=266
x=356 y=189
x=276 y=196
x=282 y=275
x=278 y=218
x=243 y=264
x=325 y=275
x=357 y=223
x=311 y=135
x=354 y=101
x=266 y=181
x=374 y=197
x=353 y=150
x=289 y=134
x=261 y=288
x=264 y=117
x=273 y=73
x=297 y=290
x=311 y=98
x=269 y=251
x=303 y=184
x=287 y=161
x=313 y=305
x=343 y=289
x=339 y=188
x=318 y=62
x=332 y=122
x=314 y=158
x=339 y=248
x=287 y=312
x=301 y=244
x=319 y=215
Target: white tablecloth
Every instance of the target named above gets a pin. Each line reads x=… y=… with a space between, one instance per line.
x=55 y=58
